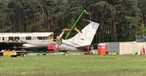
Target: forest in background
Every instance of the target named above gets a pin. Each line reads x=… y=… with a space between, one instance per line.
x=120 y=20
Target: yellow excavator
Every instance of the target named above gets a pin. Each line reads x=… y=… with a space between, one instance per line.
x=59 y=38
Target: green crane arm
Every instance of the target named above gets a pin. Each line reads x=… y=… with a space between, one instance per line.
x=84 y=11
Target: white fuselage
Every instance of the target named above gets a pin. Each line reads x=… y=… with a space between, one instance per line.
x=67 y=46
x=28 y=40
x=36 y=43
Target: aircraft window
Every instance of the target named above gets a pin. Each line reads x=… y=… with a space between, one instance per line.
x=11 y=38
x=40 y=38
x=3 y=39
x=28 y=38
x=17 y=38
x=45 y=38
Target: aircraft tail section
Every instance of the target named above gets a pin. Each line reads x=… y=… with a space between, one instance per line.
x=86 y=35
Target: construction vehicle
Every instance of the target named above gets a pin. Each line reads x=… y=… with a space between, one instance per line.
x=58 y=38
x=13 y=53
x=54 y=47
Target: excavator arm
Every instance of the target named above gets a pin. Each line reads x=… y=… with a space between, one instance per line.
x=65 y=30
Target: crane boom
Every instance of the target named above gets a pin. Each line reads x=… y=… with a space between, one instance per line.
x=84 y=11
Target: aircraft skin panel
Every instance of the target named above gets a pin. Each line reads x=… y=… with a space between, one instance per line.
x=37 y=43
x=66 y=46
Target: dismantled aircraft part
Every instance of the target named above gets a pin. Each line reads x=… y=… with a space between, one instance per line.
x=18 y=41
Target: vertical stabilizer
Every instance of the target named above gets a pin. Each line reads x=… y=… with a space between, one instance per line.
x=86 y=35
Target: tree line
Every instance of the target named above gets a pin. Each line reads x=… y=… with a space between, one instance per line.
x=120 y=20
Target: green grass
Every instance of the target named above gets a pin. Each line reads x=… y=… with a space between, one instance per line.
x=80 y=65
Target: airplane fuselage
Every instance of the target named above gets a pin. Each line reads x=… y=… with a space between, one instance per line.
x=67 y=46
x=25 y=40
x=36 y=43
